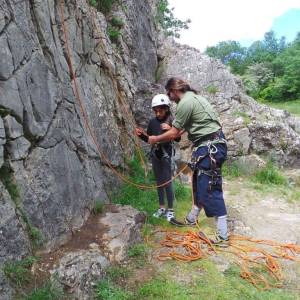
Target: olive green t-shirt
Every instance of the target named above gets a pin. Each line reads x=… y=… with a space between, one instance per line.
x=196 y=115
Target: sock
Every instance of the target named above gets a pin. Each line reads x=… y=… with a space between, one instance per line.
x=222 y=226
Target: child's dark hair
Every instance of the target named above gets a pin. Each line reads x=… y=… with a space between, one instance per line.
x=179 y=85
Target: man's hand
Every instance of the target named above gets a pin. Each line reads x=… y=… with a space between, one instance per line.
x=152 y=139
x=165 y=126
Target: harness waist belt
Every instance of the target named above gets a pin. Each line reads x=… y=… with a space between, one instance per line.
x=209 y=137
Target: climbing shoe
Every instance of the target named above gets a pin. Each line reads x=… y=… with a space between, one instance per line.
x=219 y=241
x=161 y=212
x=170 y=214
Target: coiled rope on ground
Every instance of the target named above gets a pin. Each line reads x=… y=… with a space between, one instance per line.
x=259 y=260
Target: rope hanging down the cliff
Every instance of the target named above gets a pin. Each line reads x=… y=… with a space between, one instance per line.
x=121 y=99
x=85 y=116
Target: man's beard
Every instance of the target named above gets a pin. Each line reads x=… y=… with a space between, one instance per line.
x=175 y=99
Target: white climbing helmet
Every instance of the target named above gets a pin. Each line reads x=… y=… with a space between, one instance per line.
x=160 y=99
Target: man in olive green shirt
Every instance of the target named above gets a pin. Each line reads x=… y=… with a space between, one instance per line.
x=196 y=116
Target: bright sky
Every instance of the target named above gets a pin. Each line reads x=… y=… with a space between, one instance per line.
x=220 y=20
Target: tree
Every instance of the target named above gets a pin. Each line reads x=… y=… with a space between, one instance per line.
x=265 y=50
x=231 y=53
x=257 y=77
x=165 y=17
x=286 y=83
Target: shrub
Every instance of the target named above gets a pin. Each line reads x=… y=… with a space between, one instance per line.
x=103 y=5
x=116 y=22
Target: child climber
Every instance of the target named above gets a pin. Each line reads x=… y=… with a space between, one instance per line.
x=161 y=154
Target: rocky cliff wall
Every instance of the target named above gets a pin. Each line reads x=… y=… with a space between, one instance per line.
x=51 y=173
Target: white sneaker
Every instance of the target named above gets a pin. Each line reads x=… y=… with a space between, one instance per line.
x=170 y=215
x=161 y=212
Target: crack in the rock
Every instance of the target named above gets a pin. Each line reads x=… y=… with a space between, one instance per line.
x=48 y=55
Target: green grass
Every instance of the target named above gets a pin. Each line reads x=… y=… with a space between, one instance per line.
x=231 y=170
x=137 y=250
x=113 y=33
x=116 y=273
x=36 y=237
x=245 y=116
x=291 y=106
x=7 y=178
x=294 y=196
x=212 y=89
x=18 y=272
x=270 y=174
x=163 y=288
x=98 y=207
x=201 y=280
x=145 y=200
x=138 y=254
x=49 y=291
x=106 y=290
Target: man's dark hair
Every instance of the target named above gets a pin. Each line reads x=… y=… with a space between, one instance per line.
x=178 y=84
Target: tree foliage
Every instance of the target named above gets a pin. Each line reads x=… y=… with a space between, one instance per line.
x=230 y=53
x=270 y=68
x=165 y=17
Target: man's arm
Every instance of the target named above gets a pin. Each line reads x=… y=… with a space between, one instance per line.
x=170 y=135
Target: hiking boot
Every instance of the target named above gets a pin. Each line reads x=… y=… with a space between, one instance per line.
x=170 y=215
x=187 y=221
x=192 y=216
x=219 y=241
x=161 y=212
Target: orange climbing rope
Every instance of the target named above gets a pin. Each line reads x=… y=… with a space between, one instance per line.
x=258 y=265
x=85 y=116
